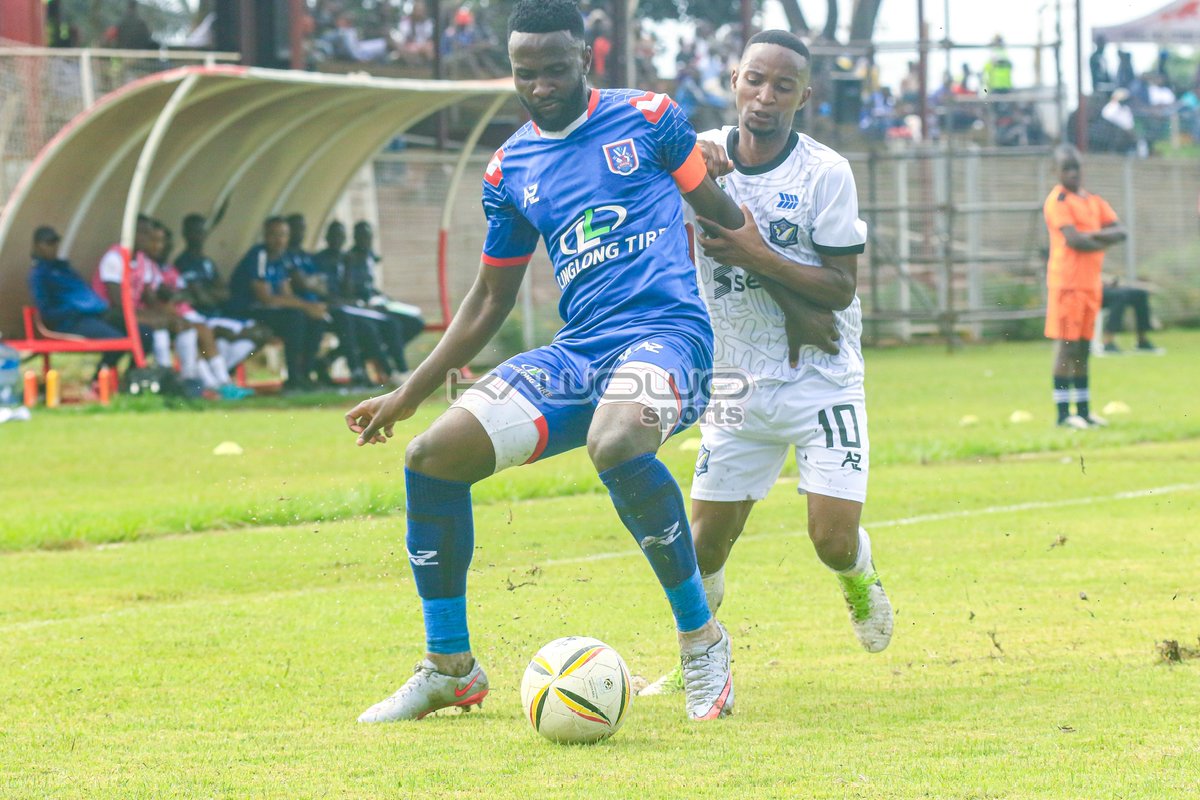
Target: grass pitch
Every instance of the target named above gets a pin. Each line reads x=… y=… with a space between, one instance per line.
x=1034 y=572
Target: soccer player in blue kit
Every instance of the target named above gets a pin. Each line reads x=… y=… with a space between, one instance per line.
x=598 y=176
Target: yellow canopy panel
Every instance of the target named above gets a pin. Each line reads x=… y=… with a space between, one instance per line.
x=197 y=138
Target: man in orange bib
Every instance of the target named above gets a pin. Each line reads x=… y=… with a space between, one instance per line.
x=1082 y=225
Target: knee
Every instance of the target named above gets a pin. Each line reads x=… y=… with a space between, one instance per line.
x=449 y=457
x=419 y=455
x=833 y=540
x=610 y=448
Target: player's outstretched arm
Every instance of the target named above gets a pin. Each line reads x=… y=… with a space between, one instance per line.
x=479 y=318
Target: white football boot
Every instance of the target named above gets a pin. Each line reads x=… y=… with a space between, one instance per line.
x=429 y=690
x=870 y=610
x=708 y=679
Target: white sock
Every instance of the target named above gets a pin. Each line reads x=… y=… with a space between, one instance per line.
x=220 y=371
x=237 y=351
x=162 y=348
x=862 y=562
x=205 y=373
x=714 y=589
x=187 y=346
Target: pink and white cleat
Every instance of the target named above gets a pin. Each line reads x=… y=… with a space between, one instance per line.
x=428 y=691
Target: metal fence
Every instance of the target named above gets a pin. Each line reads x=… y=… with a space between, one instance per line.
x=42 y=89
x=956 y=243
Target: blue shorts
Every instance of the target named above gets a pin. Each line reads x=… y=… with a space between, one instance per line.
x=541 y=403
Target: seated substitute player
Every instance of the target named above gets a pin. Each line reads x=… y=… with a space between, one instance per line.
x=1082 y=226
x=597 y=175
x=800 y=199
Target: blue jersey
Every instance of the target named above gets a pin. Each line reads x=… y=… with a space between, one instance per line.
x=256 y=265
x=602 y=196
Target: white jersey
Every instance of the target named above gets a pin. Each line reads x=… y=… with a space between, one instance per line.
x=806 y=204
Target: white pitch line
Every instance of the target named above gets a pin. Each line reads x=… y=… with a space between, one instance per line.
x=945 y=515
x=629 y=553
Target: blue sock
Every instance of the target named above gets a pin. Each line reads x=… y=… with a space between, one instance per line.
x=441 y=541
x=649 y=502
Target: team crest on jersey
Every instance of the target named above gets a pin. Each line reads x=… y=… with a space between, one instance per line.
x=784 y=233
x=621 y=156
x=702 y=460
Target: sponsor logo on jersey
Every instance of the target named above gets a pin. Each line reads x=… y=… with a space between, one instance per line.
x=535 y=377
x=493 y=173
x=788 y=202
x=784 y=232
x=727 y=281
x=853 y=461
x=589 y=229
x=652 y=105
x=669 y=535
x=621 y=157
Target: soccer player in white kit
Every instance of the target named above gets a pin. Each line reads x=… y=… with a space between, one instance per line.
x=805 y=234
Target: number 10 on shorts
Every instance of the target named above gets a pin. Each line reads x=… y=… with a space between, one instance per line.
x=847 y=426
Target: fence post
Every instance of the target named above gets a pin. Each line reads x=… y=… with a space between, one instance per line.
x=87 y=82
x=974 y=240
x=1129 y=213
x=904 y=249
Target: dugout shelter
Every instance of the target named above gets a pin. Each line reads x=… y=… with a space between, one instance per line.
x=235 y=143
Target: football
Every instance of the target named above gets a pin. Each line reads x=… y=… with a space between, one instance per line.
x=576 y=690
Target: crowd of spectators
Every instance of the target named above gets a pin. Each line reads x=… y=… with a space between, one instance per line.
x=1135 y=111
x=194 y=321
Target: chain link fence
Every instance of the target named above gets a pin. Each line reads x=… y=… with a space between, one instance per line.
x=43 y=89
x=957 y=242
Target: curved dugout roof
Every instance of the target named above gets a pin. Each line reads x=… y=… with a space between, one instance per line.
x=198 y=138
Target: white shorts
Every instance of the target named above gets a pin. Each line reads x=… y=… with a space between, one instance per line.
x=825 y=423
x=228 y=323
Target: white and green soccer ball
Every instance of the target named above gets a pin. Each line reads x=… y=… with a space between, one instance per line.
x=576 y=690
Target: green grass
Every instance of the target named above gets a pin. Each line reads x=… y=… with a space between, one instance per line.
x=76 y=476
x=232 y=664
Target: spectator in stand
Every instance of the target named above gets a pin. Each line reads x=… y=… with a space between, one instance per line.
x=131 y=31
x=1125 y=72
x=209 y=373
x=201 y=285
x=462 y=46
x=1116 y=299
x=910 y=84
x=644 y=51
x=414 y=35
x=1121 y=136
x=60 y=32
x=63 y=298
x=1102 y=79
x=402 y=321
x=349 y=46
x=311 y=284
x=997 y=72
x=261 y=289
x=600 y=38
x=153 y=314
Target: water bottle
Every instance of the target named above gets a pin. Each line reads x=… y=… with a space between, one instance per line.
x=10 y=374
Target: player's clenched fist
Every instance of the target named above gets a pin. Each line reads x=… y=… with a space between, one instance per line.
x=373 y=419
